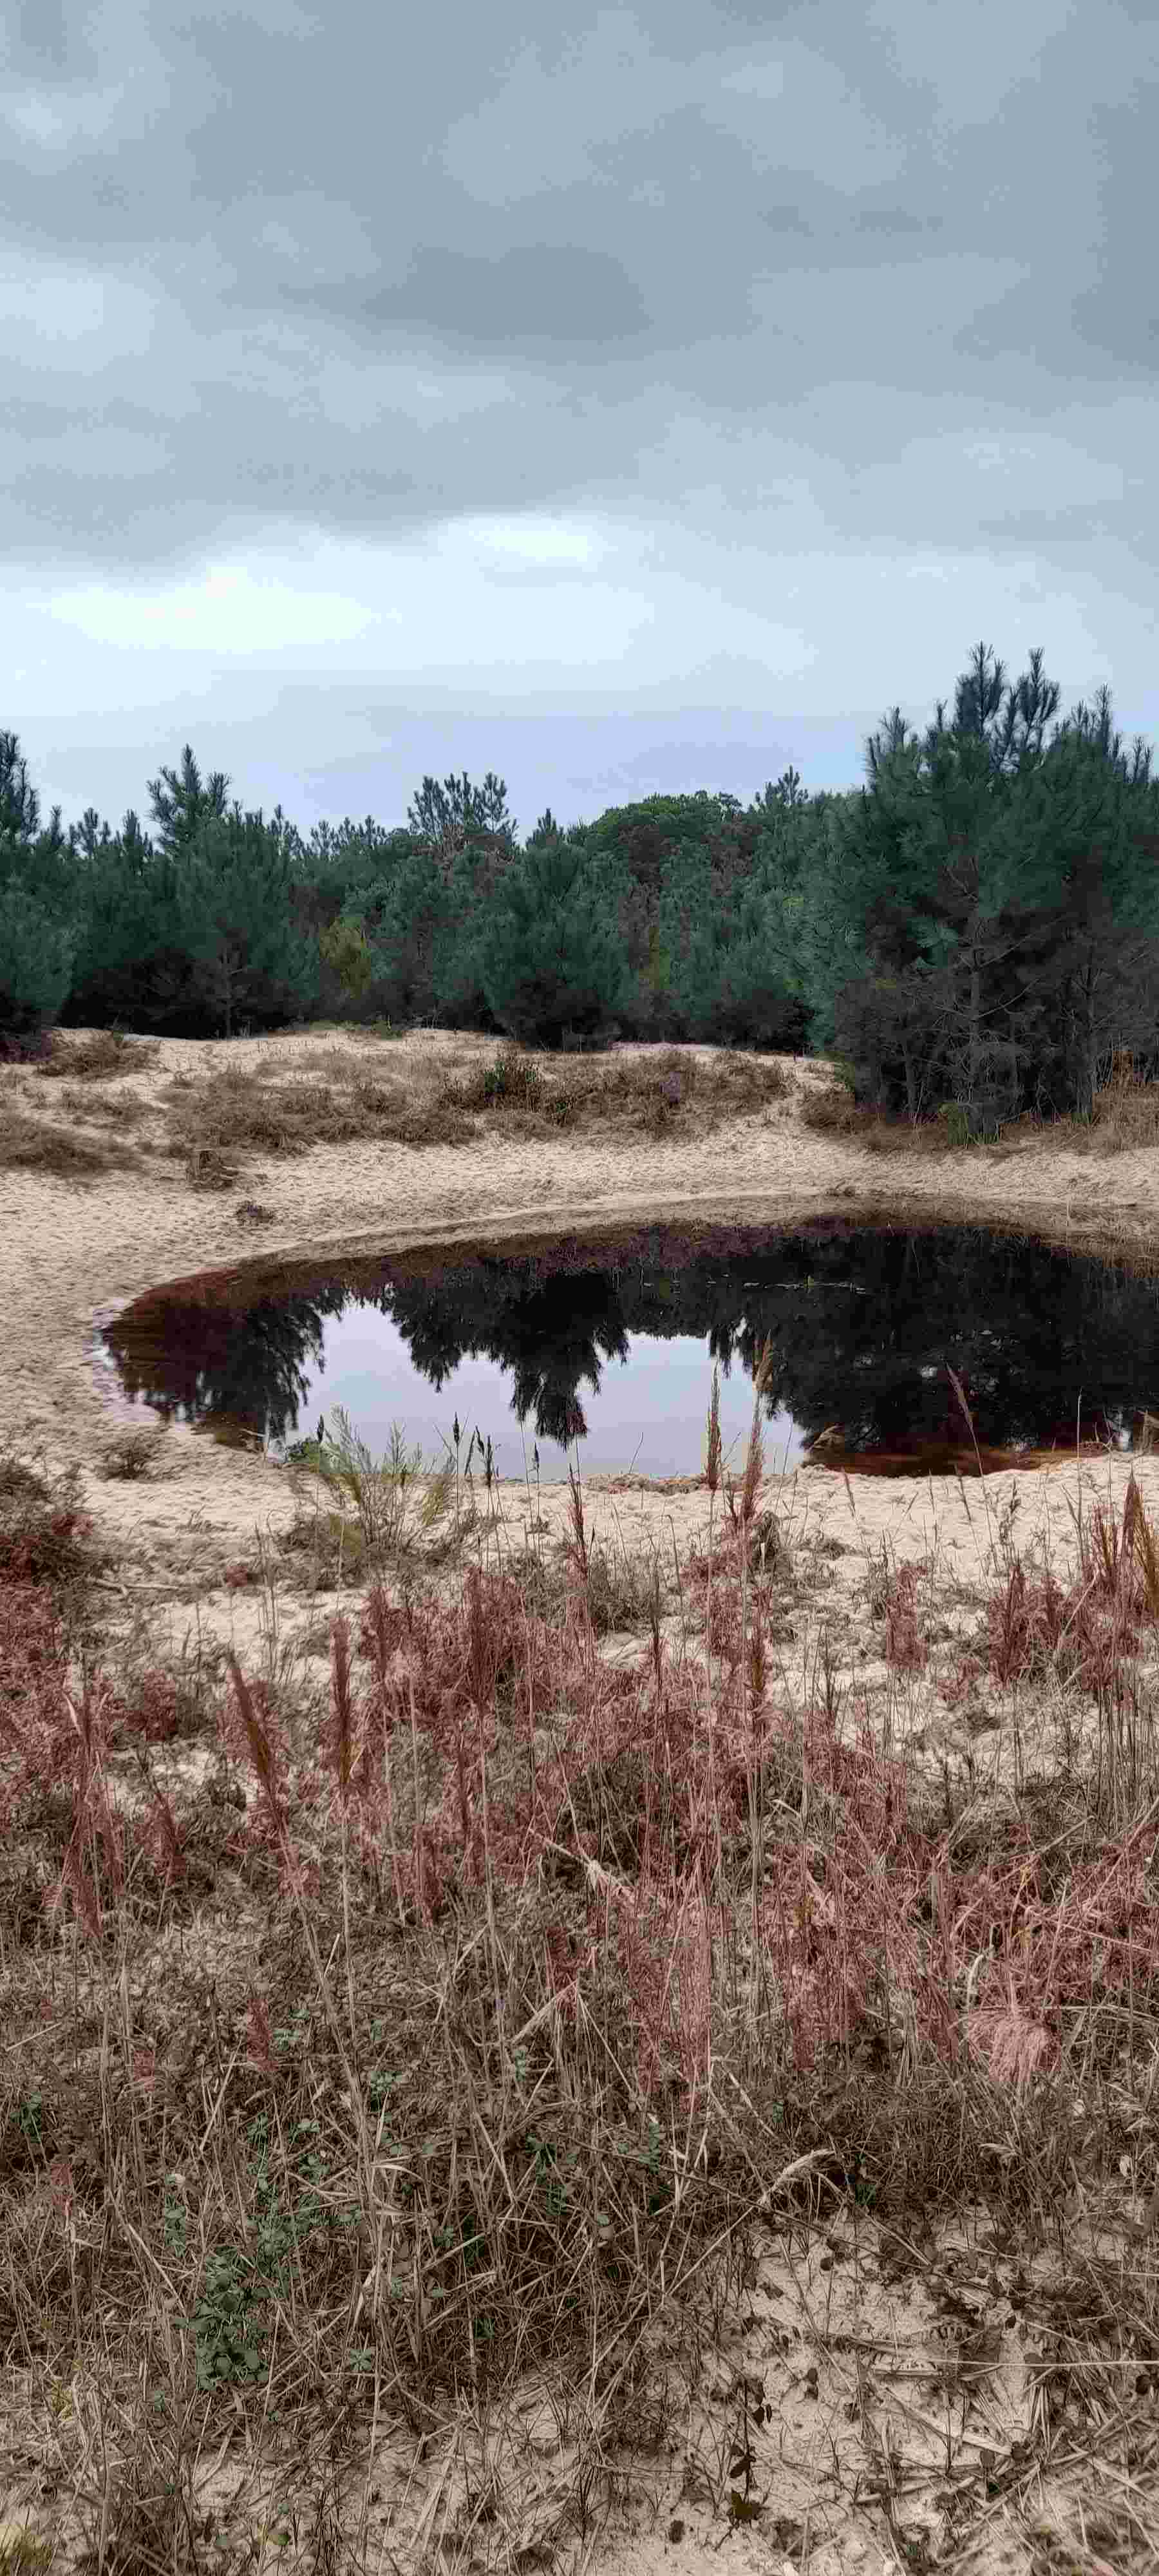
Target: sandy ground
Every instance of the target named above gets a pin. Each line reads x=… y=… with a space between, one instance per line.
x=71 y=1256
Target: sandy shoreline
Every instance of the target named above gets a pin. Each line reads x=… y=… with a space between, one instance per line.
x=71 y=1256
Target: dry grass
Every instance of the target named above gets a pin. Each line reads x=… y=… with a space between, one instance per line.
x=384 y=1090
x=655 y=1090
x=120 y=1108
x=1125 y=1111
x=429 y=2069
x=95 y=1055
x=129 y=1455
x=331 y=1099
x=36 y=1144
x=33 y=1139
x=832 y=1111
x=1124 y=1116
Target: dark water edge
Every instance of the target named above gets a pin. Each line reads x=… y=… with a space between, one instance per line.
x=866 y=1324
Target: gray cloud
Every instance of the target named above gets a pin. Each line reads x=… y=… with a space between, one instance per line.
x=530 y=297
x=831 y=345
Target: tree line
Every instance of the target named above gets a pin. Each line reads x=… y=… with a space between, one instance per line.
x=978 y=923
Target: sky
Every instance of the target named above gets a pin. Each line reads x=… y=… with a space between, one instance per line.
x=628 y=406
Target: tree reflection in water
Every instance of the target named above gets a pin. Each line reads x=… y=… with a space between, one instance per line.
x=865 y=1325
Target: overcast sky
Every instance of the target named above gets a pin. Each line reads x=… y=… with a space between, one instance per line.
x=638 y=407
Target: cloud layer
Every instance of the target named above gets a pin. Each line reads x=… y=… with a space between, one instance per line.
x=639 y=405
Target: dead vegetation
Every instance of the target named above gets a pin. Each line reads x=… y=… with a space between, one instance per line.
x=1125 y=1112
x=434 y=2100
x=95 y=1055
x=1124 y=1117
x=377 y=1092
x=332 y=1100
x=831 y=1110
x=37 y=1144
x=381 y=1090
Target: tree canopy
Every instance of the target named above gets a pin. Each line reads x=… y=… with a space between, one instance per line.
x=976 y=923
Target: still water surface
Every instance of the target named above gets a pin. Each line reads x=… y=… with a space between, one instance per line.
x=605 y=1347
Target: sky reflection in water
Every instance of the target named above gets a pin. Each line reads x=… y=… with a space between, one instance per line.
x=612 y=1342
x=649 y=1412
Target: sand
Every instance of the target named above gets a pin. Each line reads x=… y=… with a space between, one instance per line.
x=71 y=1255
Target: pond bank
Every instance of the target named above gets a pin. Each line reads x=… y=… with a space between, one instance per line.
x=71 y=1256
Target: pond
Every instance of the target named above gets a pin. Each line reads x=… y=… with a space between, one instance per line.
x=600 y=1350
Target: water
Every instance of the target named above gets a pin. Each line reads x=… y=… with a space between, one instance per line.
x=645 y=1408
x=602 y=1350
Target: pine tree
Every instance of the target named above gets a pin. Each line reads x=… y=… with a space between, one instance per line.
x=233 y=886
x=690 y=939
x=552 y=958
x=37 y=934
x=407 y=918
x=35 y=969
x=130 y=963
x=451 y=815
x=181 y=802
x=19 y=802
x=972 y=892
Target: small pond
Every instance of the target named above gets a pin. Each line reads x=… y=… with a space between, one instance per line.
x=603 y=1348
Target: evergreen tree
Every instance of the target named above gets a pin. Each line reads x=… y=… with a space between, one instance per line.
x=408 y=921
x=958 y=886
x=689 y=940
x=423 y=918
x=88 y=836
x=131 y=963
x=552 y=959
x=1093 y=980
x=233 y=883
x=181 y=802
x=340 y=877
x=451 y=815
x=724 y=956
x=757 y=1001
x=35 y=969
x=19 y=802
x=37 y=932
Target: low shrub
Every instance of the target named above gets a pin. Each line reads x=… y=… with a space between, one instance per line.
x=835 y=1113
x=513 y=1081
x=129 y=1455
x=30 y=1144
x=1125 y=1109
x=120 y=1109
x=45 y=1532
x=99 y=1055
x=246 y=1110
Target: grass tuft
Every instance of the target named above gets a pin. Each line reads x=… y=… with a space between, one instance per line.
x=391 y=1096
x=34 y=1144
x=95 y=1055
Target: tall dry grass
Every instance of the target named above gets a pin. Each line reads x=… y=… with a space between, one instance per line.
x=455 y=2034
